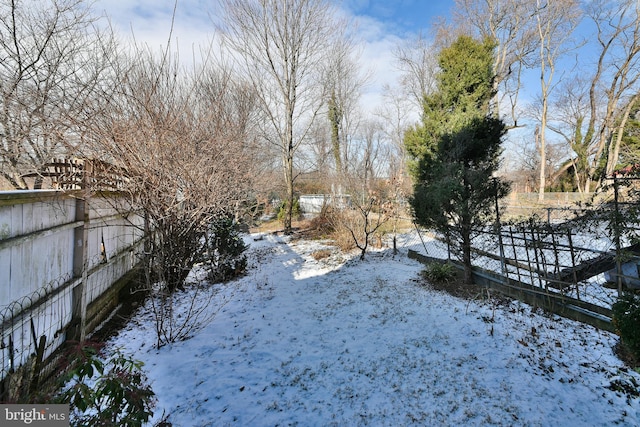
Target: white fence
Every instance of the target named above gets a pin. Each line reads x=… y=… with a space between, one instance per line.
x=313 y=203
x=58 y=254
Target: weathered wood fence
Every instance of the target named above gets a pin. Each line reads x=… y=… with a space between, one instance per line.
x=63 y=257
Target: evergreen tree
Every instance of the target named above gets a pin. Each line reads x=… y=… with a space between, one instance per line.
x=455 y=150
x=226 y=250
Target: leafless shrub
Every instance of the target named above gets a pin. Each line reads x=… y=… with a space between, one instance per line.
x=363 y=223
x=324 y=223
x=55 y=66
x=179 y=314
x=184 y=138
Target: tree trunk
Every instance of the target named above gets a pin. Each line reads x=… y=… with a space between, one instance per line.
x=466 y=257
x=614 y=147
x=334 y=118
x=541 y=142
x=288 y=208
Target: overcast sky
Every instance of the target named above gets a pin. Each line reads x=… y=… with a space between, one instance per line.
x=381 y=25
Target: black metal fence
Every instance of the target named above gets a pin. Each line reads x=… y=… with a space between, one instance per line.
x=583 y=254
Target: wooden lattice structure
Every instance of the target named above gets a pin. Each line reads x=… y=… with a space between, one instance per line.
x=75 y=174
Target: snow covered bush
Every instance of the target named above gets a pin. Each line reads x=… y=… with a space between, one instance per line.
x=626 y=318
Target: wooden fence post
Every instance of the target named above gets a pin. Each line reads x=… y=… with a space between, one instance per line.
x=80 y=260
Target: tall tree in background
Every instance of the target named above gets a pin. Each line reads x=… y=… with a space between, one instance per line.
x=283 y=46
x=395 y=122
x=456 y=148
x=629 y=152
x=343 y=84
x=416 y=61
x=570 y=111
x=555 y=23
x=594 y=107
x=618 y=35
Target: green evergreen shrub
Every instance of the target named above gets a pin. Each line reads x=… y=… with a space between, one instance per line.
x=295 y=212
x=439 y=272
x=226 y=250
x=626 y=319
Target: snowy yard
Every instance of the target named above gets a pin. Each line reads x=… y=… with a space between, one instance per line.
x=340 y=342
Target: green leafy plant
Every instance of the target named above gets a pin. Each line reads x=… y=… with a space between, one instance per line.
x=440 y=272
x=626 y=319
x=295 y=211
x=111 y=393
x=226 y=250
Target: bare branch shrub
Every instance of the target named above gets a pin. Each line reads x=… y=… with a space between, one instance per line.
x=179 y=314
x=184 y=138
x=54 y=66
x=364 y=221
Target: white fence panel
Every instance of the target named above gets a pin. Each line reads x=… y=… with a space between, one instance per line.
x=43 y=260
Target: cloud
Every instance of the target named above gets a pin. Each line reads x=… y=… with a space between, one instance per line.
x=149 y=23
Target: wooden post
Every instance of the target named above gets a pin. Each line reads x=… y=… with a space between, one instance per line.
x=537 y=241
x=499 y=231
x=573 y=264
x=556 y=256
x=515 y=253
x=526 y=250
x=80 y=259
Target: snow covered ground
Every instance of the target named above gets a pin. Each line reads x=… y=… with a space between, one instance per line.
x=343 y=342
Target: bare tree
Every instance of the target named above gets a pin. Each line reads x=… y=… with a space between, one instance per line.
x=395 y=121
x=629 y=153
x=593 y=107
x=369 y=154
x=615 y=142
x=54 y=65
x=525 y=166
x=282 y=46
x=344 y=82
x=363 y=219
x=416 y=60
x=510 y=25
x=570 y=110
x=185 y=141
x=321 y=148
x=618 y=36
x=555 y=22
x=371 y=202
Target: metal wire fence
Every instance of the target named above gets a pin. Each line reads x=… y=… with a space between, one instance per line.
x=61 y=256
x=585 y=252
x=33 y=327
